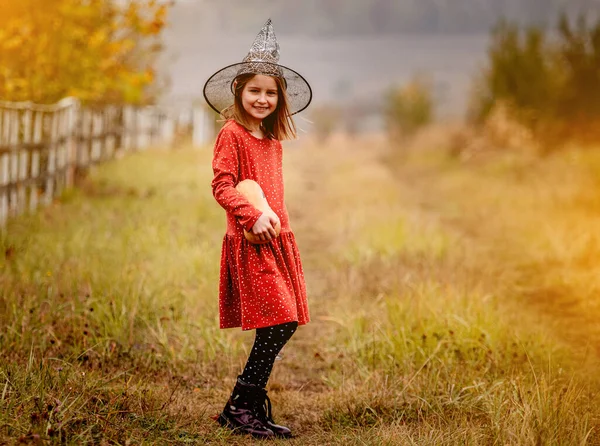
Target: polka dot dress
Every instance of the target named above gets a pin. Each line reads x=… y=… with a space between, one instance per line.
x=259 y=285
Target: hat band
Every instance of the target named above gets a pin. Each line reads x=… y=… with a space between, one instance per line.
x=264 y=68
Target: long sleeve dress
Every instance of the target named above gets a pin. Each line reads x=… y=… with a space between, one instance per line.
x=259 y=285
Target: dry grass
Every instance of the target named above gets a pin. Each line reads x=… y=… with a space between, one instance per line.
x=109 y=315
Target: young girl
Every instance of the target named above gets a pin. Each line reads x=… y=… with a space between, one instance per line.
x=261 y=285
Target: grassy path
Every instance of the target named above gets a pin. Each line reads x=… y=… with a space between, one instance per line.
x=536 y=227
x=109 y=315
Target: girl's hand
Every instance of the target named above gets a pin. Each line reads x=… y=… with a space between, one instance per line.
x=264 y=227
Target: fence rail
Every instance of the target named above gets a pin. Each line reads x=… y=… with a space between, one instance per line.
x=45 y=148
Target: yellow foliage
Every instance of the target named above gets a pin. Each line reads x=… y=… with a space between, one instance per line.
x=98 y=38
x=93 y=49
x=13 y=43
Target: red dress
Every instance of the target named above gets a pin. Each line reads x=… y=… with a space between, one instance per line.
x=259 y=285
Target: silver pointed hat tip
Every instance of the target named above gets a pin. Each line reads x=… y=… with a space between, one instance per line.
x=265 y=47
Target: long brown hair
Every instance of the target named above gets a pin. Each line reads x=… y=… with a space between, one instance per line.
x=278 y=125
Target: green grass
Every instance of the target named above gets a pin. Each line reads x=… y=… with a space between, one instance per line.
x=110 y=319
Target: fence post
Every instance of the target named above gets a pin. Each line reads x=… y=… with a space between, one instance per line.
x=71 y=143
x=201 y=133
x=51 y=159
x=13 y=140
x=4 y=182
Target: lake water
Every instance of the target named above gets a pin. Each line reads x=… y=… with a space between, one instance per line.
x=349 y=70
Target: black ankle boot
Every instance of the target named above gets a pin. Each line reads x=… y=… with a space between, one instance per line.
x=240 y=413
x=263 y=406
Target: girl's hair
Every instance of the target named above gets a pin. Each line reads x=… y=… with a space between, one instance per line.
x=278 y=125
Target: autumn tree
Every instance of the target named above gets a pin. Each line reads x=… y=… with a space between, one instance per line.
x=579 y=55
x=96 y=50
x=550 y=85
x=521 y=74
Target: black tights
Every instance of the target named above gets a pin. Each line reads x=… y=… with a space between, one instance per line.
x=268 y=343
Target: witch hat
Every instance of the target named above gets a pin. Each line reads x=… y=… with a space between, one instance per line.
x=263 y=58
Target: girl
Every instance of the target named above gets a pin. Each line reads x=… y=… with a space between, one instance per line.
x=261 y=285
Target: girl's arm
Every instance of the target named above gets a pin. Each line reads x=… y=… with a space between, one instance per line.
x=225 y=168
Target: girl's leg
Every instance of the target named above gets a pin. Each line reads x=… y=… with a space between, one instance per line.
x=268 y=343
x=249 y=408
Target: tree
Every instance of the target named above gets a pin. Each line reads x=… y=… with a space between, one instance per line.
x=95 y=50
x=520 y=74
x=552 y=88
x=579 y=54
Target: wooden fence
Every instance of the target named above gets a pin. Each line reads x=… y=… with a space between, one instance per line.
x=45 y=148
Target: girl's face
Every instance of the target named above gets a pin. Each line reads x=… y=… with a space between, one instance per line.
x=259 y=97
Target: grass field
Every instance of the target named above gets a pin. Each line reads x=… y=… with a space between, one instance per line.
x=452 y=303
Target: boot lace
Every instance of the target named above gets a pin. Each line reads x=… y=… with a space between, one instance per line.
x=263 y=406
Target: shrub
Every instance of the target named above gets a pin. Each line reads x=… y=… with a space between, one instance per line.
x=409 y=108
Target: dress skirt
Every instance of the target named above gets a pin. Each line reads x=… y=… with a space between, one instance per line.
x=261 y=285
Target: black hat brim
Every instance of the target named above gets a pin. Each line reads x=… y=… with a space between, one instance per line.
x=218 y=93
